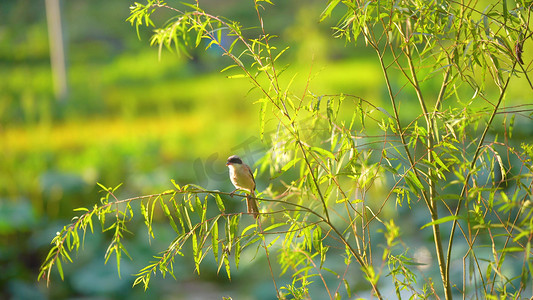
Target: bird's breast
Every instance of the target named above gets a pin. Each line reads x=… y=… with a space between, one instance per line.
x=241 y=178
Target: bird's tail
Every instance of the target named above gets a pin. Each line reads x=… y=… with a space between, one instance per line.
x=251 y=205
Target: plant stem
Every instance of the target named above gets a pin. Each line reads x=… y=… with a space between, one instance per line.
x=472 y=167
x=432 y=206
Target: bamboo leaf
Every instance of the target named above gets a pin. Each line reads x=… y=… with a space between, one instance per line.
x=198 y=206
x=221 y=261
x=251 y=226
x=381 y=109
x=329 y=8
x=441 y=220
x=187 y=218
x=323 y=152
x=502 y=167
x=166 y=210
x=347 y=287
x=196 y=252
x=214 y=239
x=413 y=182
x=228 y=67
x=144 y=212
x=60 y=269
x=237 y=76
x=505 y=11
x=238 y=250
x=179 y=214
x=280 y=53
x=66 y=255
x=287 y=166
x=220 y=203
x=118 y=256
x=273 y=226
x=511 y=249
x=228 y=268
x=439 y=161
x=175 y=184
x=317 y=238
x=273 y=241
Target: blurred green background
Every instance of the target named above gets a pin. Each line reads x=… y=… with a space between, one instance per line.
x=132 y=118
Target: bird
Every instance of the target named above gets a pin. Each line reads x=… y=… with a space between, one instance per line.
x=242 y=178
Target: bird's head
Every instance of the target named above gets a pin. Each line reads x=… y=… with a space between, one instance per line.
x=234 y=159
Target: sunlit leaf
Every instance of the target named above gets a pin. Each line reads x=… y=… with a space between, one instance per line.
x=442 y=220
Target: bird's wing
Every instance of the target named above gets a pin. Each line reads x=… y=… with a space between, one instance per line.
x=252 y=175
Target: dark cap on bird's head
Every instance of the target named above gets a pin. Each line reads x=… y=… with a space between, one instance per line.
x=234 y=159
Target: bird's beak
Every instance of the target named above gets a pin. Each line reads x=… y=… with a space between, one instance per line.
x=227 y=164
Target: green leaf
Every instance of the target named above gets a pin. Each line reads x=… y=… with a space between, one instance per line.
x=439 y=161
x=331 y=271
x=512 y=249
x=178 y=210
x=195 y=252
x=522 y=234
x=103 y=187
x=116 y=188
x=323 y=152
x=66 y=255
x=323 y=251
x=166 y=210
x=187 y=218
x=280 y=53
x=221 y=261
x=233 y=226
x=227 y=68
x=317 y=238
x=214 y=239
x=347 y=287
x=251 y=226
x=152 y=211
x=175 y=184
x=273 y=241
x=237 y=76
x=60 y=268
x=442 y=220
x=381 y=109
x=229 y=235
x=413 y=182
x=118 y=256
x=237 y=255
x=392 y=170
x=286 y=167
x=329 y=8
x=144 y=212
x=273 y=226
x=90 y=222
x=505 y=11
x=220 y=203
x=228 y=268
x=198 y=206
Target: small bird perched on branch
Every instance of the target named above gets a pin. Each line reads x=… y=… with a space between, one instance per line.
x=243 y=179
